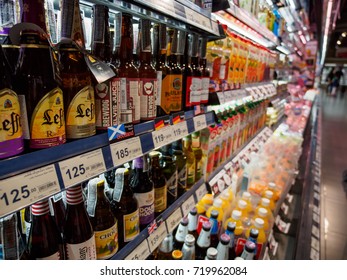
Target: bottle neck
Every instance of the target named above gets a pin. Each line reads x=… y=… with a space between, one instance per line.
x=194 y=62
x=74 y=195
x=33 y=12
x=192 y=225
x=204 y=239
x=145 y=57
x=181 y=233
x=40 y=208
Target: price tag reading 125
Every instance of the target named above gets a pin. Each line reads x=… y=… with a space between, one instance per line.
x=83 y=167
x=27 y=188
x=163 y=136
x=157 y=237
x=200 y=122
x=188 y=205
x=141 y=252
x=125 y=150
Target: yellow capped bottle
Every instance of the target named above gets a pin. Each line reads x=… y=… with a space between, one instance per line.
x=270 y=196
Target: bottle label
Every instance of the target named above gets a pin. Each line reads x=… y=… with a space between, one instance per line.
x=47 y=127
x=148 y=94
x=240 y=244
x=80 y=116
x=130 y=100
x=190 y=174
x=119 y=185
x=107 y=103
x=172 y=185
x=55 y=256
x=106 y=242
x=131 y=225
x=205 y=83
x=159 y=88
x=11 y=134
x=193 y=91
x=182 y=177
x=82 y=251
x=146 y=206
x=160 y=199
x=24 y=117
x=174 y=88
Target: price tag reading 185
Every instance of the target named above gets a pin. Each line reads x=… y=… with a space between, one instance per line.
x=180 y=130
x=141 y=252
x=27 y=188
x=81 y=168
x=188 y=205
x=126 y=150
x=157 y=237
x=200 y=122
x=200 y=192
x=163 y=136
x=174 y=219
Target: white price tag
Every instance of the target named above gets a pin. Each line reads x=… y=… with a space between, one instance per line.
x=157 y=237
x=174 y=219
x=163 y=136
x=221 y=97
x=199 y=122
x=266 y=255
x=180 y=130
x=215 y=27
x=24 y=189
x=315 y=231
x=315 y=243
x=285 y=208
x=141 y=252
x=228 y=96
x=125 y=150
x=314 y=255
x=201 y=191
x=82 y=167
x=283 y=226
x=316 y=218
x=188 y=205
x=316 y=196
x=316 y=209
x=289 y=198
x=197 y=19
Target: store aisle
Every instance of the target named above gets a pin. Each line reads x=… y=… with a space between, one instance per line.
x=334 y=162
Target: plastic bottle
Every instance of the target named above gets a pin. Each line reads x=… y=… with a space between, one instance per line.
x=188 y=249
x=204 y=204
x=236 y=218
x=270 y=196
x=246 y=196
x=264 y=203
x=211 y=254
x=217 y=205
x=264 y=214
x=248 y=251
x=245 y=215
x=226 y=205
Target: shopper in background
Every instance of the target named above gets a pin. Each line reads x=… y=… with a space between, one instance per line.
x=334 y=79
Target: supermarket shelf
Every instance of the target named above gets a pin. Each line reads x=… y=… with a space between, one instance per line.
x=47 y=172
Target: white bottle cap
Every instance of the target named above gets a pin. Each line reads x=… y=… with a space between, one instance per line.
x=217 y=203
x=259 y=223
x=265 y=202
x=272 y=185
x=239 y=259
x=246 y=195
x=262 y=212
x=224 y=195
x=242 y=204
x=236 y=214
x=269 y=194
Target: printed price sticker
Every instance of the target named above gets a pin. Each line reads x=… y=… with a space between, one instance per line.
x=316 y=196
x=82 y=167
x=315 y=231
x=141 y=252
x=197 y=19
x=188 y=205
x=24 y=189
x=314 y=255
x=180 y=130
x=316 y=218
x=282 y=226
x=199 y=122
x=201 y=191
x=316 y=209
x=215 y=27
x=157 y=237
x=125 y=150
x=163 y=136
x=273 y=244
x=228 y=96
x=315 y=243
x=285 y=208
x=289 y=198
x=221 y=97
x=174 y=219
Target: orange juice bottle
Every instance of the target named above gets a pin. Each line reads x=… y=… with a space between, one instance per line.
x=226 y=204
x=269 y=195
x=261 y=238
x=235 y=218
x=246 y=196
x=276 y=191
x=264 y=203
x=204 y=204
x=264 y=214
x=217 y=205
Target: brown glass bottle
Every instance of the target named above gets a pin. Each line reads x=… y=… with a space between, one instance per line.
x=148 y=74
x=159 y=181
x=143 y=189
x=165 y=249
x=45 y=242
x=196 y=147
x=11 y=134
x=58 y=210
x=128 y=74
x=105 y=224
x=10 y=50
x=191 y=162
x=203 y=242
x=205 y=72
x=181 y=162
x=79 y=237
x=125 y=207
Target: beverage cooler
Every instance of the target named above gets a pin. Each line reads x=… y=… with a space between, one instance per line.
x=153 y=130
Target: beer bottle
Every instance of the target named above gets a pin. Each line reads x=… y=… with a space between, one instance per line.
x=196 y=147
x=165 y=249
x=205 y=72
x=58 y=210
x=170 y=172
x=10 y=50
x=193 y=222
x=222 y=248
x=188 y=249
x=248 y=251
x=78 y=92
x=143 y=189
x=104 y=223
x=211 y=254
x=203 y=242
x=181 y=233
x=159 y=181
x=181 y=162
x=231 y=226
x=191 y=166
x=214 y=228
x=44 y=123
x=128 y=74
x=107 y=94
x=125 y=207
x=79 y=237
x=45 y=242
x=11 y=134
x=148 y=76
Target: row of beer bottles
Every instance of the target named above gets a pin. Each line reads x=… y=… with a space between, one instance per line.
x=51 y=95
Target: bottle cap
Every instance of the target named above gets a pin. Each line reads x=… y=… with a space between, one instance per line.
x=265 y=202
x=262 y=212
x=231 y=226
x=217 y=203
x=246 y=195
x=239 y=259
x=225 y=239
x=177 y=254
x=100 y=183
x=254 y=233
x=40 y=208
x=211 y=253
x=269 y=194
x=272 y=185
x=214 y=214
x=259 y=222
x=236 y=214
x=207 y=225
x=154 y=154
x=250 y=246
x=74 y=195
x=189 y=240
x=224 y=195
x=194 y=211
x=242 y=204
x=184 y=221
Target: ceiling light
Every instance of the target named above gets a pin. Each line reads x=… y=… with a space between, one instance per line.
x=344 y=34
x=338 y=42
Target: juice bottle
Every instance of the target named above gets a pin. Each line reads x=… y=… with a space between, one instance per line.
x=204 y=204
x=261 y=240
x=263 y=214
x=276 y=191
x=264 y=203
x=269 y=195
x=226 y=204
x=217 y=205
x=246 y=196
x=239 y=229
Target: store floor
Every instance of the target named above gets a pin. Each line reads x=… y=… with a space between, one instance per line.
x=334 y=162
